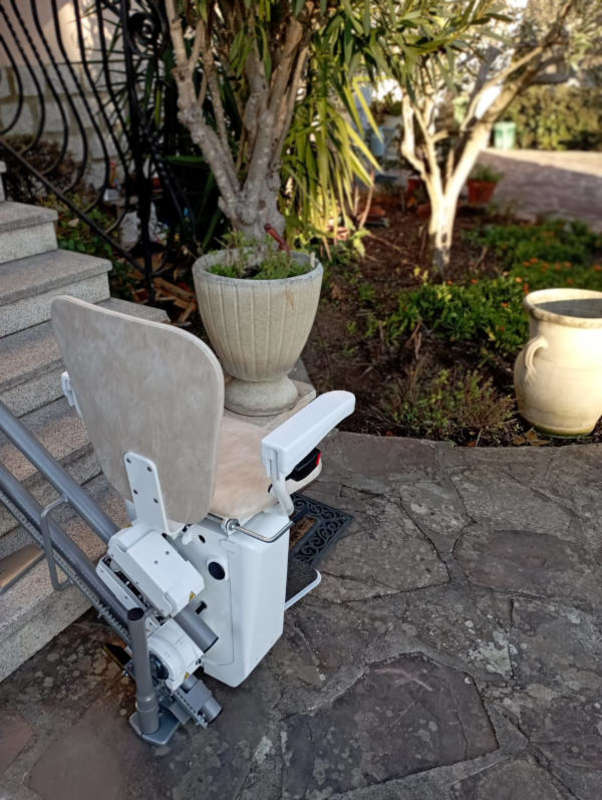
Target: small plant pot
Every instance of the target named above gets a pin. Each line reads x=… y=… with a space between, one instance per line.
x=558 y=374
x=414 y=185
x=388 y=200
x=258 y=329
x=480 y=192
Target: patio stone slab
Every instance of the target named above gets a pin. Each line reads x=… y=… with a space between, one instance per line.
x=509 y=781
x=470 y=631
x=403 y=716
x=550 y=183
x=388 y=553
x=530 y=562
x=538 y=628
x=15 y=733
x=453 y=651
x=489 y=495
x=91 y=760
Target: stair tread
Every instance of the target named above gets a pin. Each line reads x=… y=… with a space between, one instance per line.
x=15 y=216
x=38 y=274
x=26 y=354
x=58 y=428
x=34 y=351
x=28 y=597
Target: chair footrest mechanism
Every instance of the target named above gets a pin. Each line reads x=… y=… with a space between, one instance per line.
x=301 y=579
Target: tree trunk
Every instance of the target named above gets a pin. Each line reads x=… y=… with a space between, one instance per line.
x=444 y=202
x=441 y=227
x=253 y=216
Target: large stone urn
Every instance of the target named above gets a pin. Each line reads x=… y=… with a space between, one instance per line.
x=258 y=329
x=558 y=374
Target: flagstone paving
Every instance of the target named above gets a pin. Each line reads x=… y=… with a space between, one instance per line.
x=452 y=652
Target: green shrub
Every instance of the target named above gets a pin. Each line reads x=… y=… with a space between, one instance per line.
x=450 y=404
x=554 y=241
x=488 y=312
x=558 y=118
x=483 y=312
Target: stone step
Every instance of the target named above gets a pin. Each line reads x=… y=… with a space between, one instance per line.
x=32 y=612
x=27 y=286
x=26 y=231
x=64 y=435
x=30 y=362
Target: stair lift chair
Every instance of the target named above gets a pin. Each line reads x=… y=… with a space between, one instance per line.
x=206 y=554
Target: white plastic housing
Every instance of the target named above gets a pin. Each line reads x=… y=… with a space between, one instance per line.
x=176 y=651
x=151 y=562
x=246 y=607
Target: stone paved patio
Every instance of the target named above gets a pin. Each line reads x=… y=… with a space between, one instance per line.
x=559 y=184
x=452 y=652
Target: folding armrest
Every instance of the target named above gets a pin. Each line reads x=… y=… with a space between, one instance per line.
x=289 y=443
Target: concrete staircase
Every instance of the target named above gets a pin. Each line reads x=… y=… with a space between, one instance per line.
x=33 y=271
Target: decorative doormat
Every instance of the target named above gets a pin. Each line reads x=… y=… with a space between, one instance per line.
x=316 y=528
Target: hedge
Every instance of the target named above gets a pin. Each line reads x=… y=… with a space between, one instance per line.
x=558 y=118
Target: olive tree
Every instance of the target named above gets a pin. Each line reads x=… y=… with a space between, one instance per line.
x=453 y=95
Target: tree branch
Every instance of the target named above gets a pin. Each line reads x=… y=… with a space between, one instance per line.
x=504 y=74
x=408 y=142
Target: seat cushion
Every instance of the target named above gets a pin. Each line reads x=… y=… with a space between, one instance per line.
x=241 y=482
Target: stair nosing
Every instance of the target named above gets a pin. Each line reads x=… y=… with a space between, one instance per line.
x=24 y=471
x=35 y=216
x=37 y=286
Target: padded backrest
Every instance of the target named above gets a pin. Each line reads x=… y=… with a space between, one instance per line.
x=150 y=388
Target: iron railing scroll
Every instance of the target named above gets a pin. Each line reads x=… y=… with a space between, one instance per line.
x=87 y=106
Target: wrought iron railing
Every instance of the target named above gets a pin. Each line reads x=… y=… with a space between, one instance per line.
x=88 y=111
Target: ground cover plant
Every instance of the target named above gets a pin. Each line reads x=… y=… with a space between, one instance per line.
x=434 y=358
x=487 y=311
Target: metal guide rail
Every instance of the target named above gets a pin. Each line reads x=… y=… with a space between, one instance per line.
x=192 y=700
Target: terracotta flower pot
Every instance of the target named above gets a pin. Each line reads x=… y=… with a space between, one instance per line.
x=388 y=200
x=258 y=329
x=558 y=374
x=480 y=192
x=414 y=184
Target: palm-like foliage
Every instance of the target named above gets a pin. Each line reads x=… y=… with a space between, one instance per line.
x=291 y=66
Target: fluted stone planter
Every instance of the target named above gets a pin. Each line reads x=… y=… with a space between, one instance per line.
x=258 y=329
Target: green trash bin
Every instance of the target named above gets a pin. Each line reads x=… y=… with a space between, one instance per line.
x=504 y=135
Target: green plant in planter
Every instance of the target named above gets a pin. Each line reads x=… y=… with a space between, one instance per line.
x=272 y=265
x=485 y=174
